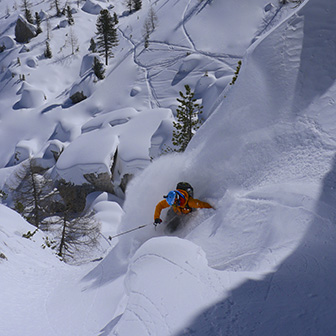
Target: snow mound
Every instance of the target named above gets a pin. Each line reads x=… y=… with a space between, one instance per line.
x=112 y=118
x=12 y=243
x=7 y=42
x=31 y=62
x=180 y=268
x=86 y=65
x=92 y=7
x=120 y=140
x=30 y=98
x=188 y=65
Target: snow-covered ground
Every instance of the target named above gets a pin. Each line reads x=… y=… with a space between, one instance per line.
x=261 y=263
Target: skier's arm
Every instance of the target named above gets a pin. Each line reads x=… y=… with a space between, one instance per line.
x=159 y=207
x=196 y=203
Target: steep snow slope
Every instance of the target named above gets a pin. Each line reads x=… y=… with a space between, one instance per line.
x=263 y=262
x=265 y=159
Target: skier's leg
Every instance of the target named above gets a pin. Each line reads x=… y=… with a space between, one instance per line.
x=173 y=220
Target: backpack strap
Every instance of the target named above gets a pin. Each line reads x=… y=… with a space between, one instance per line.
x=180 y=194
x=186 y=205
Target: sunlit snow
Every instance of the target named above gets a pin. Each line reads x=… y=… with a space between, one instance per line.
x=262 y=262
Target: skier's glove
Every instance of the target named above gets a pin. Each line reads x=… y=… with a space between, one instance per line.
x=157 y=221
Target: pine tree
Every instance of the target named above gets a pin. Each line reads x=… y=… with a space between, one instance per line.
x=137 y=4
x=26 y=8
x=106 y=34
x=115 y=18
x=146 y=34
x=69 y=15
x=98 y=68
x=93 y=46
x=129 y=5
x=38 y=23
x=57 y=7
x=47 y=51
x=187 y=119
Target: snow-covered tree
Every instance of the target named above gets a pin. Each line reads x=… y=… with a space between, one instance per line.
x=98 y=68
x=69 y=16
x=38 y=23
x=129 y=5
x=26 y=5
x=137 y=4
x=188 y=120
x=133 y=5
x=57 y=7
x=47 y=51
x=106 y=34
x=93 y=46
x=115 y=18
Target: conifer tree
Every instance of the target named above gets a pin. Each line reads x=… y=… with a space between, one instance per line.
x=129 y=5
x=26 y=8
x=57 y=7
x=98 y=68
x=137 y=4
x=187 y=119
x=71 y=21
x=115 y=18
x=38 y=23
x=47 y=51
x=93 y=46
x=106 y=34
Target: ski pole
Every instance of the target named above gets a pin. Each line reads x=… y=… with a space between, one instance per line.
x=122 y=233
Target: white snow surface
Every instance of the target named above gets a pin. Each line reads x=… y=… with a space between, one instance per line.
x=263 y=262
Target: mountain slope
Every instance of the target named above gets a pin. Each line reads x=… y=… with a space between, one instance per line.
x=262 y=262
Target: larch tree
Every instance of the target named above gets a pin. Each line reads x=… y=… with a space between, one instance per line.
x=149 y=26
x=31 y=193
x=78 y=234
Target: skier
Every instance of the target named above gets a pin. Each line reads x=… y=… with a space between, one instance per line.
x=182 y=202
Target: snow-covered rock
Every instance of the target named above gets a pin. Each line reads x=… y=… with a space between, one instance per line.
x=31 y=98
x=92 y=7
x=24 y=31
x=7 y=42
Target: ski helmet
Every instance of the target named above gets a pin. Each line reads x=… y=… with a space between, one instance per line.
x=171 y=197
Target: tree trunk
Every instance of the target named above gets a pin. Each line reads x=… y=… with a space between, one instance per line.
x=62 y=243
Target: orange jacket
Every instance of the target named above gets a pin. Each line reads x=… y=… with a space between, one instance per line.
x=184 y=208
